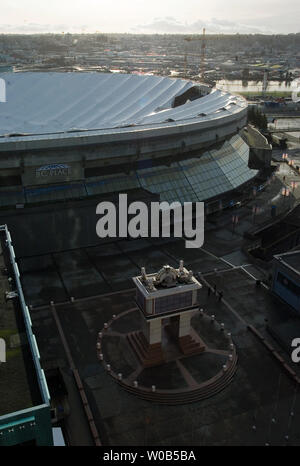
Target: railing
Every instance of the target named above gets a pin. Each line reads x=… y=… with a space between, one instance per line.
x=28 y=324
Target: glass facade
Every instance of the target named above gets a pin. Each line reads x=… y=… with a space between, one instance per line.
x=170 y=182
x=112 y=183
x=54 y=193
x=196 y=179
x=288 y=284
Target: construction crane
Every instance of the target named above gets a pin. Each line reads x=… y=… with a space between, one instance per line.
x=203 y=48
x=265 y=83
x=185 y=58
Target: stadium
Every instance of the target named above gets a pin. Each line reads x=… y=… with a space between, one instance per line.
x=66 y=136
x=69 y=140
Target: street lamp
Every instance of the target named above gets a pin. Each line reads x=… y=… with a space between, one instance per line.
x=294 y=184
x=255 y=210
x=234 y=220
x=285 y=193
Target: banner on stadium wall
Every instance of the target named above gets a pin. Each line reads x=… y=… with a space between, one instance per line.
x=52 y=173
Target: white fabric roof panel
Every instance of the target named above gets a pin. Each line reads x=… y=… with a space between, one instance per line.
x=39 y=103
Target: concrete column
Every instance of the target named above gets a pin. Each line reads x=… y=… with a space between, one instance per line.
x=155 y=331
x=185 y=323
x=145 y=327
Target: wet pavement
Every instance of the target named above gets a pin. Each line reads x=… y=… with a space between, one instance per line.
x=260 y=391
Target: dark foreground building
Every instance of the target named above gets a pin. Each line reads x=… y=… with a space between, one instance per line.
x=25 y=400
x=286 y=278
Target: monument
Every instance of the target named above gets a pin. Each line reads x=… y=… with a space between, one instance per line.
x=167 y=300
x=166 y=348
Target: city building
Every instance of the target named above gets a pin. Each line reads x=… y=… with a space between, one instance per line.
x=25 y=401
x=286 y=278
x=71 y=140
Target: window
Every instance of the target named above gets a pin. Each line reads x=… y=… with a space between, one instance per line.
x=140 y=300
x=173 y=302
x=287 y=283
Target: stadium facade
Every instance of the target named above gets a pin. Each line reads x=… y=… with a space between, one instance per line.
x=76 y=135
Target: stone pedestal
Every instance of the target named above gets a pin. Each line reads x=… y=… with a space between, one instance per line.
x=189 y=345
x=147 y=343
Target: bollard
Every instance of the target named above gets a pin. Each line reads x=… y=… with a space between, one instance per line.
x=106 y=325
x=224 y=368
x=98 y=346
x=153 y=388
x=101 y=356
x=135 y=384
x=120 y=376
x=108 y=367
x=100 y=335
x=212 y=318
x=114 y=316
x=222 y=326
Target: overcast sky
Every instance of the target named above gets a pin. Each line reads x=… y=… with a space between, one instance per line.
x=150 y=16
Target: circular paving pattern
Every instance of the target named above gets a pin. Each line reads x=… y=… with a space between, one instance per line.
x=182 y=378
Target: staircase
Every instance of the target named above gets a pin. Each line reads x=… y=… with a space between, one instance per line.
x=148 y=355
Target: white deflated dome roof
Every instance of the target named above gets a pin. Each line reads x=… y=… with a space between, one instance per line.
x=38 y=102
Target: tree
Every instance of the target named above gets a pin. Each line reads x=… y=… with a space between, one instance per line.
x=257 y=118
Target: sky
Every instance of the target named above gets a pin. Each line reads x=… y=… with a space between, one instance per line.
x=150 y=16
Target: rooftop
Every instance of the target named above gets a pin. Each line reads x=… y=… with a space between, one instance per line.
x=167 y=277
x=19 y=388
x=291 y=259
x=255 y=139
x=59 y=103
